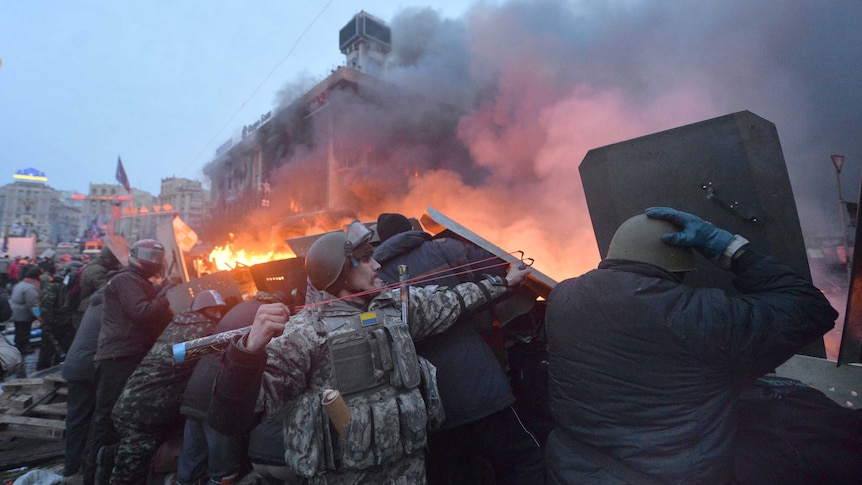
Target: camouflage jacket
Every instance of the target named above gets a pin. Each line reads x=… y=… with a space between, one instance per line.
x=49 y=302
x=153 y=392
x=297 y=366
x=298 y=359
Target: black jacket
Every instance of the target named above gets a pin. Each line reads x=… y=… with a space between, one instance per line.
x=78 y=365
x=199 y=390
x=471 y=382
x=648 y=370
x=134 y=315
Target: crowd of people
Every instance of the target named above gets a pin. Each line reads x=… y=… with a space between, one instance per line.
x=377 y=381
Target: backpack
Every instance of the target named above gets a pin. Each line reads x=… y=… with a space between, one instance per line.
x=70 y=291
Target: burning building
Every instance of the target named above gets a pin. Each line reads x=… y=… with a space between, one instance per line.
x=339 y=149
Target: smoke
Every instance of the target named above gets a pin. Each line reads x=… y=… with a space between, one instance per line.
x=547 y=81
x=510 y=97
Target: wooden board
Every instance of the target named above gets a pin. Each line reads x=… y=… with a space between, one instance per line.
x=28 y=427
x=436 y=222
x=34 y=408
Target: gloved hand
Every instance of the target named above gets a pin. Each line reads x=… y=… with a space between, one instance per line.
x=696 y=233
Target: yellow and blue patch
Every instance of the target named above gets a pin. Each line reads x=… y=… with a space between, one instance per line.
x=368 y=319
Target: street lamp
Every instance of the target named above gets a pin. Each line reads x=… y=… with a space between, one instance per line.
x=838 y=162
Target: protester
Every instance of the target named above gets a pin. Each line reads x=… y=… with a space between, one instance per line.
x=356 y=343
x=25 y=306
x=645 y=371
x=207 y=452
x=56 y=338
x=148 y=410
x=135 y=313
x=480 y=420
x=80 y=374
x=4 y=271
x=15 y=268
x=91 y=278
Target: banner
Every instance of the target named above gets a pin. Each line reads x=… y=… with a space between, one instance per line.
x=186 y=237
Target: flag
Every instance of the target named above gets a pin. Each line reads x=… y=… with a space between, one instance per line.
x=121 y=176
x=185 y=236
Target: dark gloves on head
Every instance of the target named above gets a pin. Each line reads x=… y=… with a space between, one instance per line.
x=715 y=244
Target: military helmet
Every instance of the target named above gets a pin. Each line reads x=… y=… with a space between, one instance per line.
x=639 y=239
x=325 y=259
x=206 y=299
x=329 y=255
x=148 y=255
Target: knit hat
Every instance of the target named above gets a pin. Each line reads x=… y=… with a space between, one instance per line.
x=389 y=225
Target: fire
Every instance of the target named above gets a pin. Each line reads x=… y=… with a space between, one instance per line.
x=228 y=257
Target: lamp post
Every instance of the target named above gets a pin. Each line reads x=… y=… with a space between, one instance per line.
x=838 y=162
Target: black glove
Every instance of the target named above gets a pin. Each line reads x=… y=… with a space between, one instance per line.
x=700 y=235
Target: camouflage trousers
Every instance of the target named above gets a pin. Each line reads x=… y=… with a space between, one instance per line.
x=135 y=452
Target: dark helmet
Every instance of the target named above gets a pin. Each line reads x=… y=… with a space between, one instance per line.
x=327 y=257
x=639 y=239
x=206 y=299
x=147 y=255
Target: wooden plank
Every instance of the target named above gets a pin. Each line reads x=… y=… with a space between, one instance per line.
x=436 y=222
x=36 y=432
x=53 y=409
x=20 y=401
x=29 y=421
x=28 y=427
x=14 y=384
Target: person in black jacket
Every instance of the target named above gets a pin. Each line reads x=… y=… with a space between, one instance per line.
x=480 y=419
x=135 y=312
x=207 y=452
x=79 y=372
x=646 y=371
x=148 y=410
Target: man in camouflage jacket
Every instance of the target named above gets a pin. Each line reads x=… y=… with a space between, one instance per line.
x=296 y=364
x=148 y=410
x=52 y=322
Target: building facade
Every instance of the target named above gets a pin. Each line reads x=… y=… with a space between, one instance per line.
x=31 y=208
x=188 y=198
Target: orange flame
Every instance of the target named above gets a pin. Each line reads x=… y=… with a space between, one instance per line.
x=228 y=257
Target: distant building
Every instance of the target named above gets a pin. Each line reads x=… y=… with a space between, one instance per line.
x=29 y=207
x=133 y=216
x=188 y=198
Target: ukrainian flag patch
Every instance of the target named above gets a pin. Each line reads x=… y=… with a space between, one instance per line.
x=368 y=319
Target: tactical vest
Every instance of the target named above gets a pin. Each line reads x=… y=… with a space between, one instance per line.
x=390 y=391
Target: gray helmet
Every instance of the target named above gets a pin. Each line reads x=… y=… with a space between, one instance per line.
x=206 y=299
x=326 y=259
x=639 y=239
x=328 y=255
x=148 y=255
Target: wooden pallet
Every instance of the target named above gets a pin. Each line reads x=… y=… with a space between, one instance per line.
x=34 y=408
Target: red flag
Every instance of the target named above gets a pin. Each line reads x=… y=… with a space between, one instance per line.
x=121 y=175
